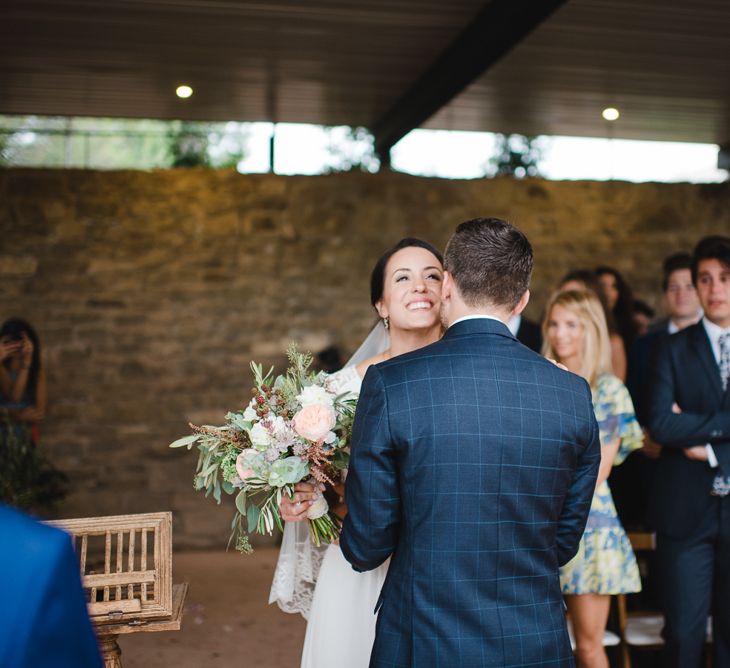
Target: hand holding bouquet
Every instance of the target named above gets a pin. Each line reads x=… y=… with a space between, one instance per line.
x=294 y=430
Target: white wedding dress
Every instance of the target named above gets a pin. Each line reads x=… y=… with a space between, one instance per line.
x=337 y=601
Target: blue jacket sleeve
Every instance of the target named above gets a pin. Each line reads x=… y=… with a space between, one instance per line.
x=63 y=634
x=577 y=504
x=370 y=530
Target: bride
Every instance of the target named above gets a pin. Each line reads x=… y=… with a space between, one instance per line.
x=338 y=602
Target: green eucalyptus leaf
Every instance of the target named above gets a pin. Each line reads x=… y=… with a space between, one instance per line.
x=252 y=517
x=241 y=502
x=185 y=441
x=209 y=469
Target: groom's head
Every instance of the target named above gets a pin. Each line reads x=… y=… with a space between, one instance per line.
x=488 y=264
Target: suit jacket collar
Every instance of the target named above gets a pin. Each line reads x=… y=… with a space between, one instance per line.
x=478 y=326
x=703 y=349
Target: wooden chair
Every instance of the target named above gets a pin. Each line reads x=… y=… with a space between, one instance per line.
x=126 y=569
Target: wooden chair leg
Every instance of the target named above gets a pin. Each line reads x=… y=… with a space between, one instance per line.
x=621 y=616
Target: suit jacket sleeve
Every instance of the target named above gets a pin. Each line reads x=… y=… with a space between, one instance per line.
x=62 y=636
x=577 y=504
x=370 y=531
x=680 y=430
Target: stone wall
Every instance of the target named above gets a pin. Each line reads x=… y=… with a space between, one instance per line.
x=153 y=291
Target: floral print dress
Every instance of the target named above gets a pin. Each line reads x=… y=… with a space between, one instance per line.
x=605 y=562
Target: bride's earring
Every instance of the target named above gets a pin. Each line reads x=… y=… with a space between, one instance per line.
x=386 y=322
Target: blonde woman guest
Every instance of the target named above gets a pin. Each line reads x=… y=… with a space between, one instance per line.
x=587 y=279
x=576 y=335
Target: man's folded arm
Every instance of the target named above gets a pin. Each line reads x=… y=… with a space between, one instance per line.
x=685 y=429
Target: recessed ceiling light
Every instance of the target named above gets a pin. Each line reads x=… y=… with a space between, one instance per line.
x=183 y=91
x=610 y=114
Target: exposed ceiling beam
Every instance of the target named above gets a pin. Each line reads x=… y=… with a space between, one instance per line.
x=498 y=27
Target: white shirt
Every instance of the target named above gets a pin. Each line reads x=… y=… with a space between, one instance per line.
x=672 y=328
x=475 y=317
x=714 y=332
x=514 y=324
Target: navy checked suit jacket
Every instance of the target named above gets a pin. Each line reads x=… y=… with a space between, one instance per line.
x=685 y=372
x=473 y=464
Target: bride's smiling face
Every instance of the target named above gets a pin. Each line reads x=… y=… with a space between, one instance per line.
x=412 y=289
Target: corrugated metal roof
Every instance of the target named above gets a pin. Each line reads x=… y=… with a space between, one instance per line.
x=663 y=64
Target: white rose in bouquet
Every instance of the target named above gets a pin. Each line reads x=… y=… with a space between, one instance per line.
x=250 y=414
x=260 y=436
x=314 y=395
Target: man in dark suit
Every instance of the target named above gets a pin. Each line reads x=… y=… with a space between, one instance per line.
x=526 y=332
x=690 y=506
x=631 y=483
x=474 y=462
x=43 y=618
x=683 y=309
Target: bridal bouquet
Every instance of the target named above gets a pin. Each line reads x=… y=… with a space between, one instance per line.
x=293 y=430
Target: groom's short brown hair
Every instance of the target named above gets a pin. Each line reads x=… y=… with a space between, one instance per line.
x=490 y=262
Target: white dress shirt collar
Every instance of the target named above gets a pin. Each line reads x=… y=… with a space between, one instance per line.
x=673 y=328
x=475 y=317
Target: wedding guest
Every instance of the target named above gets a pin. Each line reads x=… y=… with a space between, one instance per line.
x=43 y=618
x=526 y=332
x=576 y=335
x=586 y=279
x=690 y=504
x=620 y=300
x=23 y=390
x=27 y=479
x=683 y=309
x=643 y=317
x=632 y=483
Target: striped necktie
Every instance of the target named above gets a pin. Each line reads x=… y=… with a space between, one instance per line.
x=721 y=484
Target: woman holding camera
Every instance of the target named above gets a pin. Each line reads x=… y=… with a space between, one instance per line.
x=23 y=389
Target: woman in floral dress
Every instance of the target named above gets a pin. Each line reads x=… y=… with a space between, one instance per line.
x=576 y=335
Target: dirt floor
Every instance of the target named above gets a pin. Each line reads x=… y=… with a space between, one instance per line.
x=227 y=621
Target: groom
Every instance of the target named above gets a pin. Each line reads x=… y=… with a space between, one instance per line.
x=473 y=465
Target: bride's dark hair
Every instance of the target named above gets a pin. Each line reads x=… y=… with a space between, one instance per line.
x=377 y=278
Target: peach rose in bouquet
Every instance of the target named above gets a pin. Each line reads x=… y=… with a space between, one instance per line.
x=315 y=422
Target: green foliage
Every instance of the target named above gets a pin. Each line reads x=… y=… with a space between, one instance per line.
x=27 y=479
x=516 y=155
x=112 y=143
x=188 y=145
x=297 y=374
x=228 y=464
x=243 y=545
x=351 y=149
